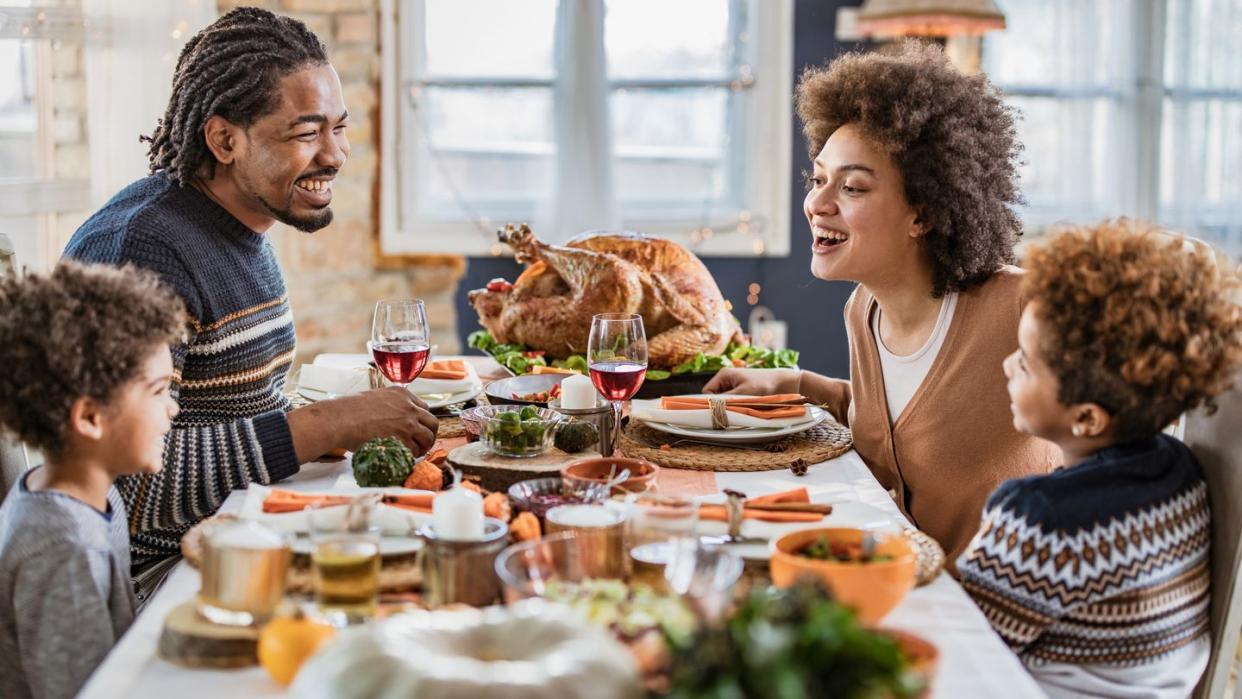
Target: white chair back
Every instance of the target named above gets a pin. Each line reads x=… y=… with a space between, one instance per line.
x=13 y=459
x=1217 y=441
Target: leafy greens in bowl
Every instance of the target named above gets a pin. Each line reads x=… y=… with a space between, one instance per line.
x=521 y=360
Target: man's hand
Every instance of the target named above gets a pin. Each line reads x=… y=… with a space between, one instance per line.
x=345 y=423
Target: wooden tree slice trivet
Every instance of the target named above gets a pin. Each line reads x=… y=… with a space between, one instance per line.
x=827 y=440
x=500 y=472
x=190 y=640
x=397 y=573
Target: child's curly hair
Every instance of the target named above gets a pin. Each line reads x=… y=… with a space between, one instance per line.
x=1135 y=320
x=81 y=331
x=953 y=139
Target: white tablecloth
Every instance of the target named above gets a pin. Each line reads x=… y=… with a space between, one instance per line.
x=974 y=661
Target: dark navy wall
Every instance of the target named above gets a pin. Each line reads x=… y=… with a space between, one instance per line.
x=811 y=307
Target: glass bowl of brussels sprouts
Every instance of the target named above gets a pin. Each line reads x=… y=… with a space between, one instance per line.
x=517 y=431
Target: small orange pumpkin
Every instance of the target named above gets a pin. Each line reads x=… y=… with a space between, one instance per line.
x=287 y=641
x=525 y=527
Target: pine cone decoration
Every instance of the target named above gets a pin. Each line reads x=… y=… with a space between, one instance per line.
x=799 y=467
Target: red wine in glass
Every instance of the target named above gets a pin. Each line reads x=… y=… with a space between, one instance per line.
x=400 y=362
x=399 y=340
x=618 y=380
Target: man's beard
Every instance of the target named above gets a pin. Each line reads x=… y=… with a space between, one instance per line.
x=306 y=224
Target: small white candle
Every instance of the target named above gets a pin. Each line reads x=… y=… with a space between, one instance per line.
x=246 y=534
x=583 y=516
x=577 y=393
x=457 y=515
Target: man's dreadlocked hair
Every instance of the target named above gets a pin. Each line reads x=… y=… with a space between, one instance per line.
x=232 y=68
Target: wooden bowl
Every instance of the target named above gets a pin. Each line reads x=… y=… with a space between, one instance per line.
x=595 y=470
x=873 y=589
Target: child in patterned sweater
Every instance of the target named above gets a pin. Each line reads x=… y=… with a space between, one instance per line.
x=1097 y=574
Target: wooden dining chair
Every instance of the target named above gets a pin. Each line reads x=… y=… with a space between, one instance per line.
x=13 y=459
x=1217 y=441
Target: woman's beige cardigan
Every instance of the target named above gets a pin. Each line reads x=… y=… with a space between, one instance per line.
x=955 y=440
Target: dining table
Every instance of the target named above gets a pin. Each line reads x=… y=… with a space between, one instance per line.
x=974 y=661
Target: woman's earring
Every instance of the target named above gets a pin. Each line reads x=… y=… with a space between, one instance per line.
x=1077 y=430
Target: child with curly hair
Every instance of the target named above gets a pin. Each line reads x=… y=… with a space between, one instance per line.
x=86 y=379
x=1097 y=574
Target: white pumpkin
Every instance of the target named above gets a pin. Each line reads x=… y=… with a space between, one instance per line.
x=532 y=649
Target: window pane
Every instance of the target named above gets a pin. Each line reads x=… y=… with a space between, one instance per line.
x=18 y=120
x=1202 y=47
x=657 y=38
x=1059 y=43
x=671 y=144
x=490 y=38
x=1201 y=180
x=1069 y=167
x=485 y=144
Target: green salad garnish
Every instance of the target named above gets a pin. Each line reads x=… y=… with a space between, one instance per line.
x=520 y=360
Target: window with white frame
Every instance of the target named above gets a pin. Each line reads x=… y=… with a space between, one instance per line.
x=666 y=118
x=1128 y=108
x=41 y=131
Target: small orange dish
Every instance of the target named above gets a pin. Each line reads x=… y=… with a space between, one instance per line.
x=595 y=470
x=872 y=588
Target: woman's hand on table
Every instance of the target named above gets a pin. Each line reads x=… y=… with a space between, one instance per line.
x=754 y=382
x=349 y=421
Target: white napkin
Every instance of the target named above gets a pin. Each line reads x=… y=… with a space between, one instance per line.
x=343 y=361
x=330 y=379
x=422 y=387
x=393 y=521
x=650 y=411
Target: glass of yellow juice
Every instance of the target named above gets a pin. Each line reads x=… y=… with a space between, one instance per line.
x=345 y=559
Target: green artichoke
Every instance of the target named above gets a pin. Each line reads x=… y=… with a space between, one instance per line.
x=576 y=436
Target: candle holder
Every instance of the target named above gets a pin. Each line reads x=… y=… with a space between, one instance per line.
x=462 y=572
x=601 y=416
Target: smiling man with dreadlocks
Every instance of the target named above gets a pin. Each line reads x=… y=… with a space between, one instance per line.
x=254 y=133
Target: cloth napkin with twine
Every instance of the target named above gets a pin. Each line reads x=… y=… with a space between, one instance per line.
x=789 y=498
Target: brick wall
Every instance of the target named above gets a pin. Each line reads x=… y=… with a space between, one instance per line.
x=335 y=275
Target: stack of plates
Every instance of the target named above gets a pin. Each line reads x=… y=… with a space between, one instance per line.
x=742 y=435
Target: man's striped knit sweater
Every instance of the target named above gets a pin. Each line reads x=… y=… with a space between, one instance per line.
x=227 y=378
x=1103 y=564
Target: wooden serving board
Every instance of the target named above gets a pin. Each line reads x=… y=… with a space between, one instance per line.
x=190 y=640
x=499 y=472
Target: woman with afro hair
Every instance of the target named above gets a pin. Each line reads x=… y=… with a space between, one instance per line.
x=911 y=194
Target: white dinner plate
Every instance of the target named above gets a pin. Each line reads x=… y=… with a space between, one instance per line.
x=389 y=545
x=434 y=401
x=743 y=435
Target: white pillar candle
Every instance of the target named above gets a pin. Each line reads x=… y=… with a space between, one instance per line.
x=457 y=515
x=577 y=393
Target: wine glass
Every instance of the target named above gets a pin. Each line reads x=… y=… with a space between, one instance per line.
x=400 y=342
x=617 y=359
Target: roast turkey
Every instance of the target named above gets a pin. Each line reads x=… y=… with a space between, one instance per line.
x=550 y=305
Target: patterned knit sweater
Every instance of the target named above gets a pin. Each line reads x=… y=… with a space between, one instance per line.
x=227 y=378
x=1102 y=563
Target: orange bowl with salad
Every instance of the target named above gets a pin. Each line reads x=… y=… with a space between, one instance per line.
x=873 y=585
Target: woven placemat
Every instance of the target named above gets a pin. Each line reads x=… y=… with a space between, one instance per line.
x=826 y=440
x=397 y=573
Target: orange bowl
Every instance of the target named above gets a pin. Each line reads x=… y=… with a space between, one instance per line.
x=873 y=589
x=595 y=470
